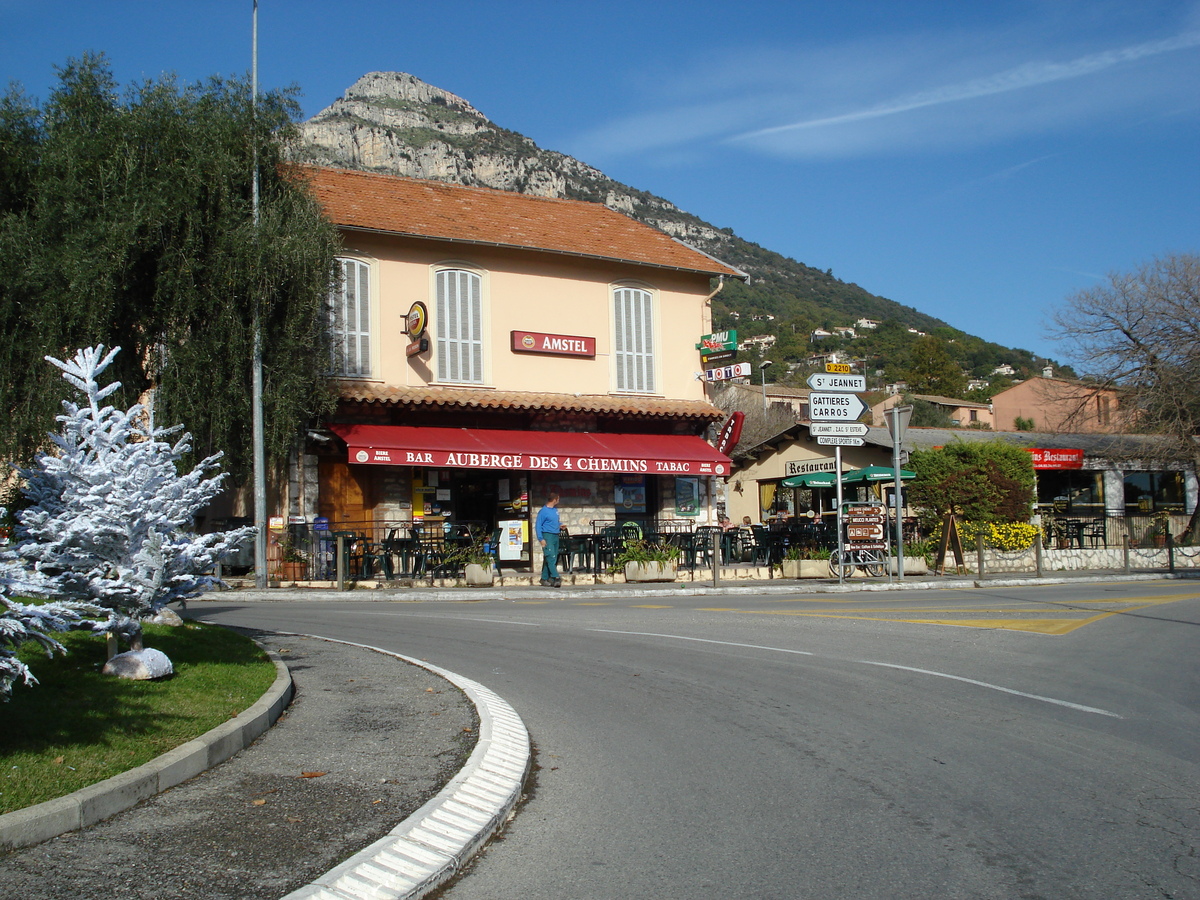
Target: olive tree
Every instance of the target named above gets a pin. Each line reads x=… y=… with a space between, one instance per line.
x=126 y=219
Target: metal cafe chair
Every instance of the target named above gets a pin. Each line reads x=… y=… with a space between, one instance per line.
x=430 y=551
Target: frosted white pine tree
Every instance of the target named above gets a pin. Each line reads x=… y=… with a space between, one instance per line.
x=110 y=515
x=21 y=624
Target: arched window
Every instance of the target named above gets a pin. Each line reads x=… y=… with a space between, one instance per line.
x=350 y=320
x=633 y=339
x=459 y=326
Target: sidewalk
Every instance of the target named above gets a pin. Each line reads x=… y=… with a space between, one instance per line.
x=374 y=752
x=523 y=589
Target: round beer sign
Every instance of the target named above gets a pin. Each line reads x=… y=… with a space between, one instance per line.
x=416 y=320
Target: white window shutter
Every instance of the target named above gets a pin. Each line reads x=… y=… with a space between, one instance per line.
x=459 y=326
x=633 y=327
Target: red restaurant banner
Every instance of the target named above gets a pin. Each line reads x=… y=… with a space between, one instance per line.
x=1046 y=458
x=555 y=451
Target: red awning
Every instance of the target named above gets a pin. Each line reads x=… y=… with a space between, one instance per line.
x=557 y=451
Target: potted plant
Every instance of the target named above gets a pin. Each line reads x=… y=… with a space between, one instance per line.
x=479 y=566
x=647 y=561
x=293 y=561
x=1160 y=528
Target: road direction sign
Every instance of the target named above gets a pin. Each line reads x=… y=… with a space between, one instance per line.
x=845 y=429
x=835 y=407
x=837 y=440
x=866 y=532
x=842 y=368
x=827 y=381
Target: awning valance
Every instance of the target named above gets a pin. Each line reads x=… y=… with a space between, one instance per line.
x=557 y=451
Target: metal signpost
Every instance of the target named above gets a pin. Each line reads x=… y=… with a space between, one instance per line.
x=897 y=422
x=834 y=415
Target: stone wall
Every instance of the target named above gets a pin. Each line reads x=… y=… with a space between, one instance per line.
x=1077 y=559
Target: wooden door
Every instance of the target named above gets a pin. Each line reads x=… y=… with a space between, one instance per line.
x=346 y=498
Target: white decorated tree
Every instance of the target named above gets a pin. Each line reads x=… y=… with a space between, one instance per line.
x=22 y=623
x=110 y=515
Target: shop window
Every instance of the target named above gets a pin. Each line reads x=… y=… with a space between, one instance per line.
x=350 y=320
x=1070 y=492
x=1147 y=492
x=459 y=326
x=633 y=339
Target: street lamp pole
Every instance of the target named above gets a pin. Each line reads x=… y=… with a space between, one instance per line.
x=256 y=388
x=762 y=367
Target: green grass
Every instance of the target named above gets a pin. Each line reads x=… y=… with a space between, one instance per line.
x=77 y=726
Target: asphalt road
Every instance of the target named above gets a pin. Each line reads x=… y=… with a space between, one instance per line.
x=1008 y=742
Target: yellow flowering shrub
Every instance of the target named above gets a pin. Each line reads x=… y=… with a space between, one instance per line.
x=1011 y=535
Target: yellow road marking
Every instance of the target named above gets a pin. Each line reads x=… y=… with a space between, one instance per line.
x=649 y=606
x=1027 y=623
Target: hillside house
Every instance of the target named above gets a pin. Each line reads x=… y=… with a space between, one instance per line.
x=962 y=413
x=1058 y=404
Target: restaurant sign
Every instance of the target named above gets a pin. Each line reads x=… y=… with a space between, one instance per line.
x=1046 y=458
x=553 y=344
x=592 y=465
x=797 y=467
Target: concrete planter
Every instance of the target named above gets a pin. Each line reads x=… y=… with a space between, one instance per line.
x=479 y=576
x=650 y=571
x=913 y=565
x=805 y=568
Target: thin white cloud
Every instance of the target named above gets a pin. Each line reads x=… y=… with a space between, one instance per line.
x=1019 y=78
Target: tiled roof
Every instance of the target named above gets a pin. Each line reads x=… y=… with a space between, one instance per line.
x=451 y=212
x=465 y=398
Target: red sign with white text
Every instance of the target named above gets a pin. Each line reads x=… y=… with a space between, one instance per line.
x=1045 y=458
x=555 y=344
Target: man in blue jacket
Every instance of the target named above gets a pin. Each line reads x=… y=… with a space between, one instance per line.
x=546 y=529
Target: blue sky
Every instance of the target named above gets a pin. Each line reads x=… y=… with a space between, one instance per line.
x=978 y=161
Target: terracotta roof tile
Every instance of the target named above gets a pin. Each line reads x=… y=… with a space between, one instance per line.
x=435 y=209
x=465 y=398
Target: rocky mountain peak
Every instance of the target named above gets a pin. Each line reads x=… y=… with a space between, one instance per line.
x=395 y=123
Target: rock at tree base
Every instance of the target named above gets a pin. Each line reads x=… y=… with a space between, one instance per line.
x=139 y=665
x=166 y=617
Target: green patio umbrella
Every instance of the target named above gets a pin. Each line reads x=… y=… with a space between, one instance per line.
x=811 y=480
x=874 y=474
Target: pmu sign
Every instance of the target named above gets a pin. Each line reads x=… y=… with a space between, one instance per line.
x=717 y=342
x=835 y=407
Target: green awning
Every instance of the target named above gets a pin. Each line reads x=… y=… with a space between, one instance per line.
x=873 y=474
x=811 y=480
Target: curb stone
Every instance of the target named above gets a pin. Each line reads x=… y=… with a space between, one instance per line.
x=431 y=846
x=96 y=802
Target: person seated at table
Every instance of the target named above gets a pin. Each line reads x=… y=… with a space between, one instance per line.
x=746 y=523
x=725 y=522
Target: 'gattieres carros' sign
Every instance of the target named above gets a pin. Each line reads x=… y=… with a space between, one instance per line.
x=1044 y=458
x=555 y=344
x=555 y=451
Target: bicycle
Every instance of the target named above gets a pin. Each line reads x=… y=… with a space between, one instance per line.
x=844 y=562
